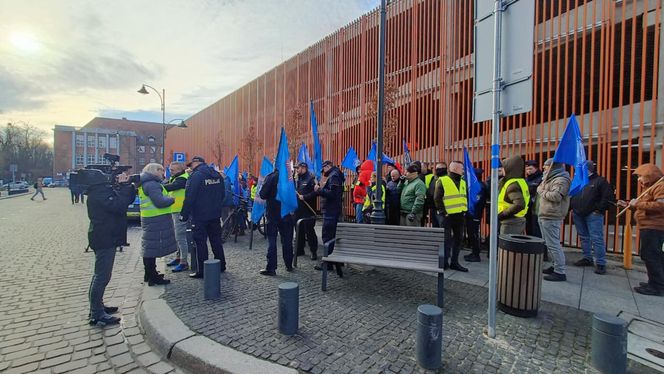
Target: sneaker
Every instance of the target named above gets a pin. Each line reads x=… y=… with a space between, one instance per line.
x=584 y=262
x=648 y=290
x=173 y=262
x=104 y=321
x=555 y=277
x=548 y=270
x=472 y=258
x=600 y=269
x=180 y=267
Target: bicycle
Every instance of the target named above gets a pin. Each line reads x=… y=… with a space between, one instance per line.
x=239 y=220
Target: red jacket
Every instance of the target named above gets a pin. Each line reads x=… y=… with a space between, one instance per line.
x=359 y=193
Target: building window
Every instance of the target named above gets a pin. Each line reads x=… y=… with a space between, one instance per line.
x=141 y=162
x=80 y=160
x=91 y=159
x=153 y=160
x=91 y=140
x=150 y=139
x=141 y=149
x=153 y=149
x=113 y=142
x=80 y=139
x=102 y=142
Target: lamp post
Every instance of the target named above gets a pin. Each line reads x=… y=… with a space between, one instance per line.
x=162 y=98
x=378 y=215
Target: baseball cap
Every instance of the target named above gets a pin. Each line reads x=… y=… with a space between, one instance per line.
x=327 y=163
x=302 y=164
x=196 y=159
x=532 y=163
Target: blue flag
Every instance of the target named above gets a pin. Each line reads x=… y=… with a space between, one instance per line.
x=372 y=155
x=474 y=187
x=351 y=161
x=168 y=172
x=406 y=154
x=570 y=151
x=232 y=171
x=318 y=151
x=303 y=156
x=259 y=204
x=286 y=186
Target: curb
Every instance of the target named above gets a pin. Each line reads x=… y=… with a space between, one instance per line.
x=169 y=336
x=13 y=196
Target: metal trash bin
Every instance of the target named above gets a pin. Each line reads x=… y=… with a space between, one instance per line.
x=520 y=261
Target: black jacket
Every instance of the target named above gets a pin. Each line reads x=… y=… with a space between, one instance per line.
x=332 y=193
x=177 y=182
x=204 y=195
x=305 y=187
x=269 y=193
x=107 y=210
x=596 y=196
x=533 y=181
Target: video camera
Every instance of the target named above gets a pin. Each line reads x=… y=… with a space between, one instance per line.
x=102 y=173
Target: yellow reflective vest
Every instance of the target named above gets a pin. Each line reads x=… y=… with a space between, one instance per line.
x=178 y=195
x=148 y=209
x=254 y=188
x=455 y=199
x=368 y=199
x=427 y=180
x=502 y=204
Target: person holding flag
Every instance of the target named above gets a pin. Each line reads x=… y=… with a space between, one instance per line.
x=452 y=203
x=306 y=201
x=331 y=189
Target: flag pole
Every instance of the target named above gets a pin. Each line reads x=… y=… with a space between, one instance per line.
x=495 y=161
x=378 y=215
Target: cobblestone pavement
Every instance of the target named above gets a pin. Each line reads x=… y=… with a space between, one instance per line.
x=366 y=322
x=45 y=277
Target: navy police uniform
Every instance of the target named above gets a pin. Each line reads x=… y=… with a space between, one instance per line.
x=331 y=202
x=305 y=187
x=204 y=195
x=276 y=224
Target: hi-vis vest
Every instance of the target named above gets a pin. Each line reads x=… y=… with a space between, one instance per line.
x=369 y=200
x=178 y=195
x=254 y=188
x=148 y=209
x=455 y=199
x=502 y=204
x=427 y=180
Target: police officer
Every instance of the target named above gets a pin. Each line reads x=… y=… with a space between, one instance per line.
x=176 y=189
x=452 y=204
x=203 y=200
x=276 y=224
x=306 y=202
x=331 y=189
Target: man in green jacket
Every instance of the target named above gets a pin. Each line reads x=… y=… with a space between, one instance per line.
x=413 y=194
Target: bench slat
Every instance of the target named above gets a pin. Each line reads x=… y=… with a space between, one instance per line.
x=383 y=263
x=433 y=261
x=386 y=245
x=393 y=233
x=390 y=239
x=391 y=228
x=397 y=254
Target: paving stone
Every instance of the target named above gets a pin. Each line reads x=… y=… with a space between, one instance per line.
x=27 y=359
x=23 y=369
x=69 y=366
x=121 y=360
x=160 y=368
x=59 y=352
x=117 y=350
x=148 y=359
x=140 y=348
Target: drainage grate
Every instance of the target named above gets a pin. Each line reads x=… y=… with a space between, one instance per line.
x=656 y=353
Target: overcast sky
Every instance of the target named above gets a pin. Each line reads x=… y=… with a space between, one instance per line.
x=67 y=61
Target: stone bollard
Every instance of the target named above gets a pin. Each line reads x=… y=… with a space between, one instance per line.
x=609 y=344
x=429 y=336
x=211 y=279
x=289 y=308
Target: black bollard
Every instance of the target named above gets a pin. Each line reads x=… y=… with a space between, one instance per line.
x=429 y=336
x=289 y=308
x=193 y=264
x=608 y=349
x=211 y=279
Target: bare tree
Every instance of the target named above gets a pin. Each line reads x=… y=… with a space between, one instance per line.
x=217 y=147
x=25 y=146
x=296 y=130
x=390 y=121
x=252 y=147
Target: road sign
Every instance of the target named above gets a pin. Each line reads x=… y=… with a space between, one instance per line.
x=516 y=63
x=13 y=168
x=178 y=156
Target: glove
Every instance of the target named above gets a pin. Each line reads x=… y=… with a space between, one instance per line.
x=410 y=217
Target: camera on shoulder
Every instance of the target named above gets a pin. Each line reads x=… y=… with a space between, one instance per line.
x=97 y=174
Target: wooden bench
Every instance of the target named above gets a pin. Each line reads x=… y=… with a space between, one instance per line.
x=398 y=247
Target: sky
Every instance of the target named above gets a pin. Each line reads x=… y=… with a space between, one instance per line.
x=66 y=61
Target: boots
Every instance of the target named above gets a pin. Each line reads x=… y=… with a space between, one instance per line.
x=151 y=275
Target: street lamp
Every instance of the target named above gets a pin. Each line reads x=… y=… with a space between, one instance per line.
x=162 y=98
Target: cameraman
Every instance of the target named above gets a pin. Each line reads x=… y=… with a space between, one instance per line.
x=107 y=210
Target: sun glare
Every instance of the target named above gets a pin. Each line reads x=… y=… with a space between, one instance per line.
x=24 y=41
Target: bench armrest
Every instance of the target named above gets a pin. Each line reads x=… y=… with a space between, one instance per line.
x=326 y=246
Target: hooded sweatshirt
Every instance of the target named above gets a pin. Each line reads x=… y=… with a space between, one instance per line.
x=650 y=207
x=553 y=193
x=514 y=168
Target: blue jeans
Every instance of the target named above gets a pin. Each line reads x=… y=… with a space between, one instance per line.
x=591 y=233
x=283 y=227
x=358 y=213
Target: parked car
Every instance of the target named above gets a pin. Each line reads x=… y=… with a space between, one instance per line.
x=47 y=181
x=59 y=183
x=134 y=210
x=19 y=185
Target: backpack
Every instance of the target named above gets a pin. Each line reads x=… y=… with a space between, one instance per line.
x=34 y=185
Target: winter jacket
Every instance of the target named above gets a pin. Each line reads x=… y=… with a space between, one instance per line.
x=269 y=193
x=596 y=196
x=158 y=238
x=305 y=187
x=392 y=194
x=177 y=182
x=107 y=210
x=553 y=193
x=514 y=168
x=331 y=192
x=533 y=181
x=204 y=195
x=359 y=192
x=650 y=207
x=413 y=195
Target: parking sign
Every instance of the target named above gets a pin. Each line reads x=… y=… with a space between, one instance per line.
x=178 y=156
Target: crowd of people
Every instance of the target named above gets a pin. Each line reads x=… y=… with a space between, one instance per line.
x=530 y=201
